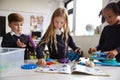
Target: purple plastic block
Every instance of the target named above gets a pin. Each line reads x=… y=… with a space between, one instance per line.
x=63 y=60
x=32 y=42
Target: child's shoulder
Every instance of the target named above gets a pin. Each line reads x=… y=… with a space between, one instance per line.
x=106 y=27
x=7 y=34
x=24 y=35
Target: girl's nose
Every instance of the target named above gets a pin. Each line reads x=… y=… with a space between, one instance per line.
x=59 y=24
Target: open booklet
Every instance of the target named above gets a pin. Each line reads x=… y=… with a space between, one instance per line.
x=74 y=69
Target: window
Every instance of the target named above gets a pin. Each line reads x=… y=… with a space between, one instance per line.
x=85 y=15
x=2 y=25
x=69 y=6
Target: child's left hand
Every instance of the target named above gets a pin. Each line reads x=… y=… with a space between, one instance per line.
x=80 y=52
x=20 y=44
x=112 y=54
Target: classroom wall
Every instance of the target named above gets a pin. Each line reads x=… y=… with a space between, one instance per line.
x=27 y=8
x=105 y=2
x=86 y=42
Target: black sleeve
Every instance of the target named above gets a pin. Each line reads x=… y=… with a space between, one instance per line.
x=101 y=40
x=71 y=43
x=40 y=50
x=118 y=49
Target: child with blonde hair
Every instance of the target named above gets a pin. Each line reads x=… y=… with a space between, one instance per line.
x=57 y=38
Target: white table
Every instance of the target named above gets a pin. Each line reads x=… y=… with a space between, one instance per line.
x=20 y=74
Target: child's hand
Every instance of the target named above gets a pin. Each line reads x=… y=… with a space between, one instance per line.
x=80 y=52
x=91 y=50
x=112 y=54
x=21 y=44
x=41 y=62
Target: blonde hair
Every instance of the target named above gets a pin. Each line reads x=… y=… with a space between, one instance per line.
x=50 y=33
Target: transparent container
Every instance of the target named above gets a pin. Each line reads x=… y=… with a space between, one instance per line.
x=10 y=58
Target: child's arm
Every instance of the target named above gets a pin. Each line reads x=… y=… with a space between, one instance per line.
x=32 y=43
x=72 y=44
x=40 y=54
x=40 y=50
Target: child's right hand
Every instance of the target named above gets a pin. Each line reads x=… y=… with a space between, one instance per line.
x=91 y=50
x=41 y=62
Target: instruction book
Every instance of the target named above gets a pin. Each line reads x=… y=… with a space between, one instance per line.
x=74 y=69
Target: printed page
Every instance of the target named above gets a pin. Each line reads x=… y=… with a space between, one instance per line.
x=58 y=68
x=88 y=70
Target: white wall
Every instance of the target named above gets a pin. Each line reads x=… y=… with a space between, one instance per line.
x=85 y=42
x=105 y=2
x=43 y=8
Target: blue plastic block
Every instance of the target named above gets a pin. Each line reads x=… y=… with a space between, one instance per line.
x=29 y=66
x=73 y=56
x=49 y=60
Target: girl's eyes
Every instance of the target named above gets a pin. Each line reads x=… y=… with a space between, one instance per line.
x=60 y=22
x=108 y=16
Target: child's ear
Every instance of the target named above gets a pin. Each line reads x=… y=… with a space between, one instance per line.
x=9 y=25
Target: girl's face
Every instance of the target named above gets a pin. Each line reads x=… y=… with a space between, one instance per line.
x=16 y=27
x=59 y=22
x=110 y=16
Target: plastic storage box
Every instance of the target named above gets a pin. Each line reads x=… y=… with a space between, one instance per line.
x=10 y=58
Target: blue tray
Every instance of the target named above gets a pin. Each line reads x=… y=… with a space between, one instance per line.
x=107 y=64
x=100 y=58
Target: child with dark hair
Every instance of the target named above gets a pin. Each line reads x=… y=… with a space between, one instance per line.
x=110 y=39
x=15 y=38
x=100 y=14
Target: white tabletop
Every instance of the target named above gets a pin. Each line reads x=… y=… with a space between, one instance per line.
x=21 y=74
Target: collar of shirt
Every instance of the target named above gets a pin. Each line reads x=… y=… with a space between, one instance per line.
x=59 y=31
x=13 y=33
